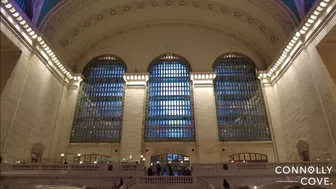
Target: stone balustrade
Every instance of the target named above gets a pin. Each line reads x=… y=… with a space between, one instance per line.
x=243 y=169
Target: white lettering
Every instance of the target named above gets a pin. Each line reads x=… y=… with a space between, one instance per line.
x=329 y=169
x=276 y=170
x=311 y=181
x=295 y=170
x=286 y=168
x=304 y=179
x=303 y=170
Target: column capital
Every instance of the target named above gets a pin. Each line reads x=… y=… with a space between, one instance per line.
x=203 y=78
x=136 y=79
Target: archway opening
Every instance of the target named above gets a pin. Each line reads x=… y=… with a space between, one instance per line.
x=170 y=164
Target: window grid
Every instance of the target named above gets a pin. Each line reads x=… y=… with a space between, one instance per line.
x=169 y=115
x=241 y=111
x=248 y=158
x=99 y=110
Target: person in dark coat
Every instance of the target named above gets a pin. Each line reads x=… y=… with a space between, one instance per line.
x=121 y=183
x=170 y=170
x=226 y=184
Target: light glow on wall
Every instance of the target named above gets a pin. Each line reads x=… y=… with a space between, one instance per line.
x=22 y=24
x=294 y=43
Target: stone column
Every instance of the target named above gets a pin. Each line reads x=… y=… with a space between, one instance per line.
x=133 y=116
x=205 y=117
x=65 y=118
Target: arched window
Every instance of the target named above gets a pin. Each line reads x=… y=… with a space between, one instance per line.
x=248 y=158
x=240 y=106
x=98 y=116
x=170 y=115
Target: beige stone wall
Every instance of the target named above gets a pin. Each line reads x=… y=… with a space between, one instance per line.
x=302 y=106
x=30 y=103
x=132 y=127
x=206 y=121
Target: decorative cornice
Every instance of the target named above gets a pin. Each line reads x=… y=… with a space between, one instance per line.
x=202 y=78
x=322 y=12
x=262 y=52
x=136 y=79
x=219 y=8
x=15 y=18
x=50 y=25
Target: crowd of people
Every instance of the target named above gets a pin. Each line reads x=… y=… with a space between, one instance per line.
x=158 y=170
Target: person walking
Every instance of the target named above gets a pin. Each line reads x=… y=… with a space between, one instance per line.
x=226 y=184
x=121 y=183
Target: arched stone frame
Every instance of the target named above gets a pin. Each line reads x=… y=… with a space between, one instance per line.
x=37 y=152
x=303 y=150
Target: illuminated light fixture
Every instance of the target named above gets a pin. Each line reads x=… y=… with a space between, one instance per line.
x=26 y=26
x=293 y=41
x=319 y=8
x=16 y=14
x=44 y=45
x=19 y=18
x=4 y=1
x=310 y=21
x=34 y=36
x=313 y=17
x=54 y=58
x=307 y=24
x=39 y=39
x=22 y=22
x=52 y=55
x=32 y=33
x=302 y=31
x=295 y=38
x=297 y=34
x=48 y=51
x=12 y=10
x=287 y=50
x=316 y=12
x=8 y=5
x=323 y=4
x=304 y=28
x=326 y=1
x=269 y=74
x=28 y=29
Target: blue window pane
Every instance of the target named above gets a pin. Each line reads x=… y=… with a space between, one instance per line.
x=27 y=7
x=99 y=110
x=170 y=115
x=240 y=105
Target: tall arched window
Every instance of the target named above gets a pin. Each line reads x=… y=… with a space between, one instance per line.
x=240 y=106
x=170 y=115
x=99 y=111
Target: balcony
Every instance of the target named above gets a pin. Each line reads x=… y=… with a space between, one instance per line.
x=207 y=176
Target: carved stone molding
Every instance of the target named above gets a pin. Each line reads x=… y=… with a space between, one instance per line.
x=261 y=51
x=54 y=19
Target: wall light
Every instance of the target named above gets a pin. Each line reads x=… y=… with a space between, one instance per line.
x=323 y=4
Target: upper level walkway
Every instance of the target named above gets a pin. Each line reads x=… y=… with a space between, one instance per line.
x=207 y=176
